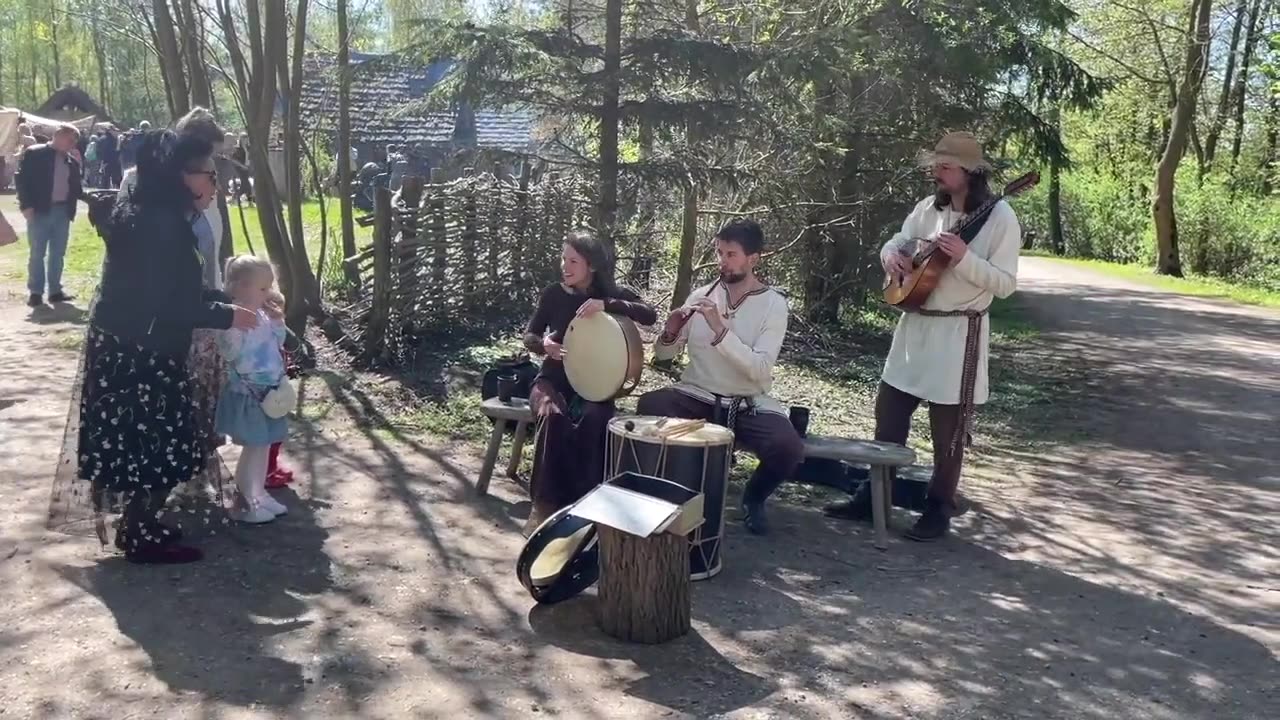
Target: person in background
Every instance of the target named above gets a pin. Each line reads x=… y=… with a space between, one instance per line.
x=109 y=155
x=240 y=157
x=48 y=188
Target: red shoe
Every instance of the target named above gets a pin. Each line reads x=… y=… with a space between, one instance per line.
x=279 y=478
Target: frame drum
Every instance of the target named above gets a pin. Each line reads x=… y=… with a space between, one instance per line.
x=699 y=460
x=603 y=356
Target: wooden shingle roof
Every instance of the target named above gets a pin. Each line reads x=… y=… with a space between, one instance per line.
x=383 y=89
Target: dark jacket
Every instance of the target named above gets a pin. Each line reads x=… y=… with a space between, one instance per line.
x=35 y=180
x=151 y=293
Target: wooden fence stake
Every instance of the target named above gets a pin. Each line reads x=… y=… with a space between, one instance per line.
x=375 y=337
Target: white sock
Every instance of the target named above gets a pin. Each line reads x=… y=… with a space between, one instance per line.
x=251 y=473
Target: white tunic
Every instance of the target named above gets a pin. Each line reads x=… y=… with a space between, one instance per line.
x=739 y=364
x=928 y=352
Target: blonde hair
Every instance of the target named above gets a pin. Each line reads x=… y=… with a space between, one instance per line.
x=243 y=268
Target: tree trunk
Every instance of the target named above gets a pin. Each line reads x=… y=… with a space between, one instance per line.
x=344 y=143
x=644 y=586
x=100 y=57
x=198 y=74
x=53 y=35
x=175 y=82
x=1242 y=78
x=688 y=241
x=1168 y=261
x=1224 y=97
x=689 y=218
x=609 y=120
x=1270 y=158
x=305 y=288
x=1056 y=240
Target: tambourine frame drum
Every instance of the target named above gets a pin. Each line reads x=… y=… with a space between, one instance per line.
x=560 y=559
x=603 y=356
x=700 y=460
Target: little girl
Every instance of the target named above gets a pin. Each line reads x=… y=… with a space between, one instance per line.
x=254 y=366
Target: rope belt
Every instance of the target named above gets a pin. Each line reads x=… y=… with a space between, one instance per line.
x=968 y=372
x=735 y=406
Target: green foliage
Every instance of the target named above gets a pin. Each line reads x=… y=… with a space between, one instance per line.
x=1223 y=234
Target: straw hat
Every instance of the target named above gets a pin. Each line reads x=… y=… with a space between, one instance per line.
x=957 y=148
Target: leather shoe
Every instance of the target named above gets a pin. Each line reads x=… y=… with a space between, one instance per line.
x=754 y=518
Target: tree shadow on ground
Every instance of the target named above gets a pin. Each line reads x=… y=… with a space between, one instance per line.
x=210 y=627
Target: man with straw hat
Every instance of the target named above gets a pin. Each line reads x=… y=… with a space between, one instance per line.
x=939 y=351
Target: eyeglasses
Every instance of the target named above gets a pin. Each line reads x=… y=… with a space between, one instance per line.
x=211 y=174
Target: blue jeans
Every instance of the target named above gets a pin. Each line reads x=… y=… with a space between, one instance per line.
x=48 y=233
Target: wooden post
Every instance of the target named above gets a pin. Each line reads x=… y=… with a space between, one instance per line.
x=495 y=208
x=470 y=233
x=376 y=335
x=410 y=224
x=523 y=228
x=439 y=235
x=644 y=586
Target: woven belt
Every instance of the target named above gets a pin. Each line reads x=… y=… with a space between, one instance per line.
x=968 y=372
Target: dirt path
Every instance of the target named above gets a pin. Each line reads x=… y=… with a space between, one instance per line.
x=388 y=592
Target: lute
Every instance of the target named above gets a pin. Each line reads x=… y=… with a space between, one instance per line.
x=928 y=263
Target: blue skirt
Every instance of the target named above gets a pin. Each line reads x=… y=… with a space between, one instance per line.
x=240 y=416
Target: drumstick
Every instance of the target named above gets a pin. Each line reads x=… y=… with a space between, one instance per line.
x=683 y=429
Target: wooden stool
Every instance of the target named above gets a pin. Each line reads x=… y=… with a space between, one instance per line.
x=519 y=412
x=883 y=457
x=644 y=586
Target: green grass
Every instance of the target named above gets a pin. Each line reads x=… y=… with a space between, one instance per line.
x=85 y=250
x=1194 y=285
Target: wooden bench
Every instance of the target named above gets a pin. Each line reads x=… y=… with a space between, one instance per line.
x=882 y=457
x=517 y=411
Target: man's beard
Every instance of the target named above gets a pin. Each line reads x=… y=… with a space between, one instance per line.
x=732 y=278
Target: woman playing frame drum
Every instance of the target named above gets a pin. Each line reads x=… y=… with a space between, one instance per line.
x=569 y=449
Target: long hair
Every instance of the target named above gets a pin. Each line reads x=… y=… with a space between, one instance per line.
x=979 y=191
x=599 y=257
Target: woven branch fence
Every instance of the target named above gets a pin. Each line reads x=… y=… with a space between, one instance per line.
x=464 y=251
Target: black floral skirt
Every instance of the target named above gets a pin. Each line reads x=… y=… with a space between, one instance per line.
x=134 y=436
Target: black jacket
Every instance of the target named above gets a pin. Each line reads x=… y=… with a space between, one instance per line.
x=35 y=179
x=151 y=293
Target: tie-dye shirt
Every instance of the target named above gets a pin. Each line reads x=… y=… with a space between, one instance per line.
x=254 y=356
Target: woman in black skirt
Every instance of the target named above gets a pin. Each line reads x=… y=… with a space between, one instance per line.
x=136 y=436
x=569 y=452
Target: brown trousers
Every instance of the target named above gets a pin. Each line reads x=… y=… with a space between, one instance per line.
x=894 y=409
x=771 y=437
x=569 y=449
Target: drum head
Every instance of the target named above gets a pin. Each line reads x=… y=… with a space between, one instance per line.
x=560 y=559
x=596 y=356
x=649 y=429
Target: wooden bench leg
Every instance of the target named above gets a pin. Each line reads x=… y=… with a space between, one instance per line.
x=491 y=456
x=517 y=448
x=881 y=487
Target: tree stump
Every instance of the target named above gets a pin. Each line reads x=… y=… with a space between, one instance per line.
x=644 y=586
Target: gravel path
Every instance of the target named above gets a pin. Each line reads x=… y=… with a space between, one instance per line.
x=1125 y=568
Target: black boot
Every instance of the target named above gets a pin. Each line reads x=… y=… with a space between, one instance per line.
x=856 y=508
x=754 y=518
x=35 y=301
x=933 y=524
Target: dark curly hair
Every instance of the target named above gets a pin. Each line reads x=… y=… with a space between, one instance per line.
x=163 y=159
